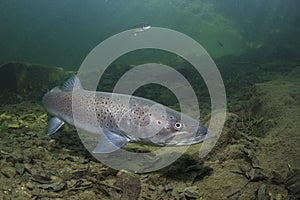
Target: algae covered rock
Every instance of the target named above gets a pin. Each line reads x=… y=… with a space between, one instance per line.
x=27 y=80
x=20 y=76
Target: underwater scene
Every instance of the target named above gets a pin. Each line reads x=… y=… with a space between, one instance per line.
x=150 y=99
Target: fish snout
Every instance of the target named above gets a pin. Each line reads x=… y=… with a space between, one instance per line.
x=201 y=134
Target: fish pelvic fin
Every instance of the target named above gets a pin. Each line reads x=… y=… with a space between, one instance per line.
x=110 y=142
x=54 y=125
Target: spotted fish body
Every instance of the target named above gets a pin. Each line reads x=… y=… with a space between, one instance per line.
x=123 y=118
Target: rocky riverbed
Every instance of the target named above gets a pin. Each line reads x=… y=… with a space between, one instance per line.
x=256 y=157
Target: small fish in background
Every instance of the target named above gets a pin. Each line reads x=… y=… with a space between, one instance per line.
x=121 y=123
x=140 y=27
x=220 y=44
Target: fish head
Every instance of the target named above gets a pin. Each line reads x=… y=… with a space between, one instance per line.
x=180 y=130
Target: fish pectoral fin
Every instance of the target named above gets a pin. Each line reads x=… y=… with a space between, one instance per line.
x=54 y=124
x=110 y=142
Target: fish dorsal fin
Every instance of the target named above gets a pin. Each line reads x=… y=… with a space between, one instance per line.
x=70 y=84
x=110 y=142
x=54 y=124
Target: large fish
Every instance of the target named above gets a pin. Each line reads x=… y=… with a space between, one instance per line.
x=122 y=118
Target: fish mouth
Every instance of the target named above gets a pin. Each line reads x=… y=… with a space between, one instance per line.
x=201 y=135
x=200 y=138
x=180 y=138
x=187 y=138
x=195 y=140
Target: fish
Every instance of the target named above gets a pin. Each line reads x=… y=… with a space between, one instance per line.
x=121 y=118
x=140 y=27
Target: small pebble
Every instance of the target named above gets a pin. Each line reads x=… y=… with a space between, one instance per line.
x=168 y=187
x=29 y=185
x=13 y=126
x=19 y=168
x=8 y=171
x=191 y=192
x=152 y=187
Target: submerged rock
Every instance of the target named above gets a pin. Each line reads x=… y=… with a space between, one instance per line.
x=27 y=80
x=58 y=186
x=129 y=184
x=30 y=185
x=262 y=193
x=22 y=75
x=13 y=125
x=292 y=182
x=8 y=171
x=19 y=168
x=192 y=192
x=168 y=187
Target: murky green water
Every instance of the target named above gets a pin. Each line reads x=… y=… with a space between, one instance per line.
x=255 y=45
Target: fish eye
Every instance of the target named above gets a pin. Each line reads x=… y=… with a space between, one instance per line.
x=178 y=126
